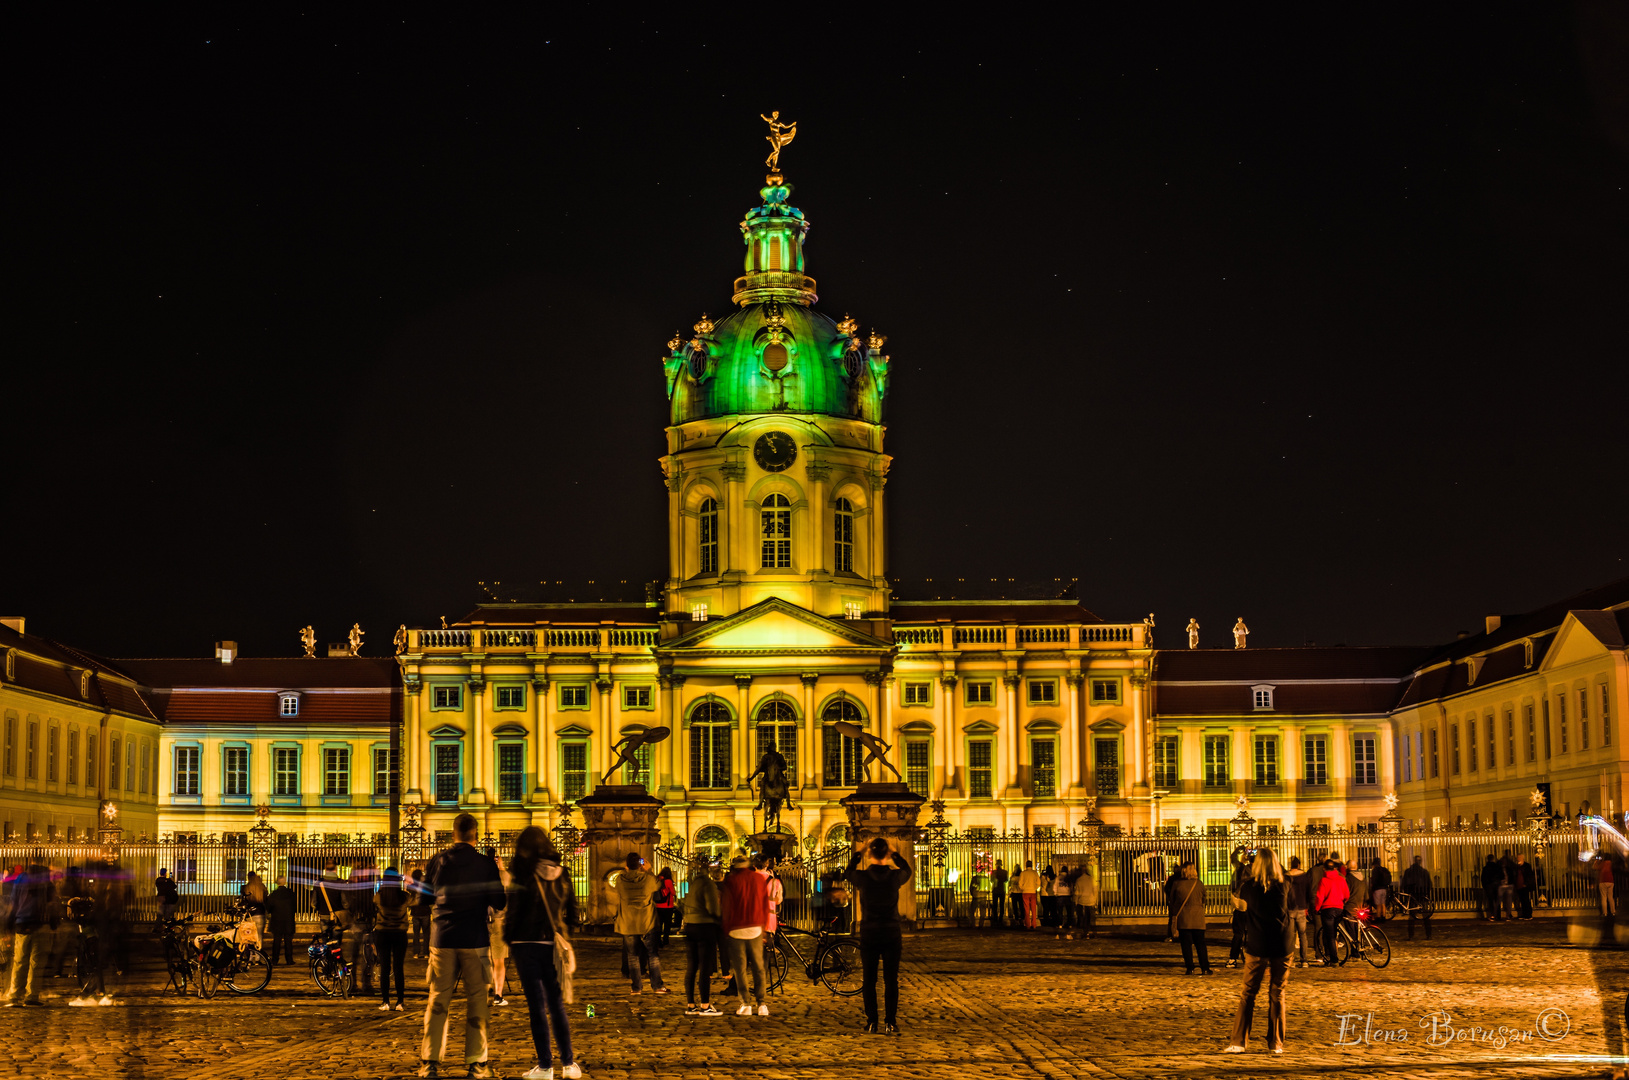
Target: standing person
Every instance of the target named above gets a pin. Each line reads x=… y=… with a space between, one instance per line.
x=280 y=921
x=542 y=904
x=636 y=922
x=423 y=900
x=1026 y=888
x=1063 y=887
x=744 y=903
x=357 y=945
x=253 y=894
x=1045 y=896
x=981 y=896
x=1084 y=893
x=878 y=885
x=494 y=930
x=32 y=921
x=169 y=897
x=666 y=903
x=1300 y=900
x=1523 y=880
x=1188 y=916
x=701 y=910
x=465 y=884
x=390 y=936
x=1241 y=859
x=1170 y=888
x=1606 y=883
x=1379 y=889
x=1417 y=884
x=998 y=894
x=1493 y=876
x=1266 y=948
x=1330 y=903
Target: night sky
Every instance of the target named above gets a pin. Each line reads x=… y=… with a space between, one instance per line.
x=326 y=319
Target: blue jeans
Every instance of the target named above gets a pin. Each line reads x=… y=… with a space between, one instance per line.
x=632 y=946
x=534 y=967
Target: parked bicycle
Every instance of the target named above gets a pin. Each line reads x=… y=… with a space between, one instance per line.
x=226 y=952
x=1355 y=935
x=1401 y=904
x=832 y=958
x=333 y=976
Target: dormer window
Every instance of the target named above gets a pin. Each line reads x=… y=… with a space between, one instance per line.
x=288 y=704
x=698 y=612
x=853 y=609
x=1261 y=698
x=1527 y=653
x=84 y=684
x=1473 y=667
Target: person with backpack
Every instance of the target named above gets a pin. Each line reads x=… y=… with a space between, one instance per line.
x=390 y=936
x=466 y=884
x=32 y=921
x=542 y=904
x=701 y=910
x=169 y=897
x=1267 y=930
x=666 y=903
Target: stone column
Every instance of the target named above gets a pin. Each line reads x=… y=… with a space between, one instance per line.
x=1141 y=729
x=1242 y=753
x=1074 y=753
x=741 y=752
x=809 y=769
x=1009 y=735
x=947 y=737
x=818 y=505
x=618 y=819
x=548 y=785
x=476 y=796
x=888 y=810
x=412 y=750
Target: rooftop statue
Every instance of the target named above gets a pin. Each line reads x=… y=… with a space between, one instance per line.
x=1240 y=632
x=1193 y=633
x=355 y=638
x=779 y=135
x=308 y=638
x=400 y=640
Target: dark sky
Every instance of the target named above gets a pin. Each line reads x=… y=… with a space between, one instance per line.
x=1317 y=317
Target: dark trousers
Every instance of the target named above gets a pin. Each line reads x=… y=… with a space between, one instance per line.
x=1490 y=901
x=392 y=946
x=1255 y=967
x=1330 y=917
x=1194 y=941
x=1235 y=948
x=545 y=1004
x=701 y=949
x=1085 y=918
x=642 y=946
x=283 y=939
x=884 y=945
x=1524 y=903
x=421 y=935
x=1422 y=916
x=998 y=900
x=664 y=926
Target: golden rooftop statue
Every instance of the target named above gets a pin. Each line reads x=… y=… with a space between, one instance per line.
x=779 y=135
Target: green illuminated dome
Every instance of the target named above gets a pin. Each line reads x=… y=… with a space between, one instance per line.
x=776 y=353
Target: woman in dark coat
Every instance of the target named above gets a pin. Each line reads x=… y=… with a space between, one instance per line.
x=1267 y=935
x=1188 y=916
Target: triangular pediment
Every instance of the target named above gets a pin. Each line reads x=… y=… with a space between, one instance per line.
x=775 y=624
x=1584 y=635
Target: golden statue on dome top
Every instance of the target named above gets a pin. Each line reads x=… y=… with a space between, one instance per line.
x=779 y=135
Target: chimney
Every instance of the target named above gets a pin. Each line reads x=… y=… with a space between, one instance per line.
x=1492 y=622
x=226 y=651
x=14 y=621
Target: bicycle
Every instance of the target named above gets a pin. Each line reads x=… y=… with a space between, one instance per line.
x=232 y=957
x=333 y=976
x=1399 y=904
x=834 y=959
x=173 y=937
x=1356 y=936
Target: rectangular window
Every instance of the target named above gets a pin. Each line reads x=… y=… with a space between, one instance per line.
x=511 y=697
x=336 y=770
x=91 y=761
x=980 y=693
x=1043 y=756
x=1216 y=767
x=843 y=538
x=1408 y=758
x=1532 y=740
x=51 y=753
x=1453 y=748
x=698 y=612
x=1363 y=761
x=1165 y=762
x=449 y=775
x=574 y=769
x=782 y=738
x=574 y=697
x=1105 y=691
x=130 y=764
x=285 y=770
x=113 y=763
x=1315 y=761
x=386 y=770
x=978 y=768
x=11 y=746
x=1435 y=769
x=1267 y=761
x=449 y=697
x=1043 y=691
x=1107 y=754
x=708 y=538
x=289 y=705
x=1545 y=706
x=1263 y=697
x=776 y=549
x=918 y=693
x=710 y=755
x=29 y=750
x=73 y=756
x=235 y=770
x=1510 y=737
x=1606 y=716
x=1561 y=718
x=511 y=772
x=186 y=769
x=636 y=697
x=918 y=774
x=840 y=758
x=1493 y=745
x=145 y=759
x=1216 y=851
x=1583 y=719
x=1470 y=743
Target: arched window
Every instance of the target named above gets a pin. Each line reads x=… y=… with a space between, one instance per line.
x=843 y=535
x=838 y=837
x=713 y=843
x=777 y=533
x=710 y=746
x=709 y=536
x=840 y=755
x=778 y=728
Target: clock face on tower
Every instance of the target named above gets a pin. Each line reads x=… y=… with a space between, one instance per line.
x=774 y=451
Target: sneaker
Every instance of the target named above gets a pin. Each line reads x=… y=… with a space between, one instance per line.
x=691 y=1009
x=1233 y=1050
x=385 y=1007
x=397 y=1006
x=1278 y=1049
x=890 y=1029
x=763 y=1010
x=538 y=1072
x=573 y=1071
x=871 y=1027
x=500 y=1001
x=429 y=1068
x=709 y=1009
x=480 y=1070
x=745 y=1010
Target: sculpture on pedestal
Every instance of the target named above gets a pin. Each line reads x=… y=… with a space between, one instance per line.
x=774 y=792
x=354 y=639
x=628 y=745
x=1240 y=632
x=1193 y=633
x=875 y=748
x=308 y=638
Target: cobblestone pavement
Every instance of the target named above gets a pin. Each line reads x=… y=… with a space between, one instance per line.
x=1007 y=1003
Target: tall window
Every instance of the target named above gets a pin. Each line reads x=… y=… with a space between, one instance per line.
x=978 y=768
x=840 y=755
x=777 y=533
x=778 y=727
x=235 y=770
x=1043 y=756
x=1435 y=762
x=11 y=746
x=1107 y=753
x=1216 y=770
x=113 y=763
x=51 y=736
x=710 y=746
x=1545 y=707
x=1583 y=719
x=1493 y=745
x=843 y=535
x=336 y=770
x=286 y=770
x=386 y=770
x=73 y=756
x=130 y=764
x=1363 y=763
x=1532 y=740
x=511 y=772
x=1408 y=757
x=1606 y=716
x=31 y=749
x=1420 y=742
x=90 y=758
x=449 y=780
x=186 y=770
x=1266 y=761
x=1453 y=748
x=708 y=521
x=1315 y=759
x=1165 y=762
x=146 y=758
x=1561 y=718
x=918 y=773
x=574 y=769
x=1470 y=743
x=1510 y=737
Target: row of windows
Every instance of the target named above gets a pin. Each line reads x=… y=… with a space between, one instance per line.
x=1218 y=765
x=1037 y=692
x=335 y=764
x=775 y=535
x=58 y=756
x=568 y=696
x=1421 y=748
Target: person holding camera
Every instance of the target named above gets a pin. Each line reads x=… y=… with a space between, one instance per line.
x=878 y=884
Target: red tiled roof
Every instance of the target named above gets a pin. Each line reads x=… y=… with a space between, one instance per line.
x=281 y=673
x=39 y=668
x=1235 y=699
x=322 y=706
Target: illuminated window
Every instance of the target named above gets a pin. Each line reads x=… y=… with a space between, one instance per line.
x=840 y=755
x=1216 y=770
x=919 y=693
x=1363 y=760
x=1043 y=756
x=1315 y=761
x=698 y=612
x=1165 y=762
x=1267 y=761
x=853 y=609
x=777 y=533
x=710 y=746
x=843 y=535
x=708 y=519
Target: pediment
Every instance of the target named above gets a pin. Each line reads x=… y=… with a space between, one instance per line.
x=1584 y=635
x=775 y=624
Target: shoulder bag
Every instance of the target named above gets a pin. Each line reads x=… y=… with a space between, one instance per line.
x=565 y=957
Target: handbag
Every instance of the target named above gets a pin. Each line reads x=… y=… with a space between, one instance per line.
x=565 y=957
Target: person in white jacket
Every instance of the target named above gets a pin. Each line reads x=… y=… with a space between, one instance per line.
x=1084 y=889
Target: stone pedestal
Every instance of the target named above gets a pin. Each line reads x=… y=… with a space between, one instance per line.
x=888 y=810
x=617 y=819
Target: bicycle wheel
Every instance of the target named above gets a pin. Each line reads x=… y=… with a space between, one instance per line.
x=175 y=962
x=839 y=965
x=1376 y=946
x=250 y=972
x=774 y=964
x=332 y=979
x=1428 y=906
x=1344 y=946
x=209 y=982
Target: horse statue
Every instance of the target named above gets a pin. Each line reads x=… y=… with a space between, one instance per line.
x=774 y=792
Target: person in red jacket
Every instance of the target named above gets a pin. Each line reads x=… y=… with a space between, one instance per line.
x=745 y=897
x=665 y=902
x=1331 y=904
